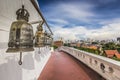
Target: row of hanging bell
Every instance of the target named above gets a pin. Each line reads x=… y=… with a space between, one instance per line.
x=42 y=38
x=21 y=34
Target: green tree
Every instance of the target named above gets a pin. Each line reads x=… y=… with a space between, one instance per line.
x=55 y=47
x=109 y=46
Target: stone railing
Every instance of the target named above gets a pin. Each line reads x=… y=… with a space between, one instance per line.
x=107 y=68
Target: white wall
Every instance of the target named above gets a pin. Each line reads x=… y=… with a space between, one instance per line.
x=33 y=63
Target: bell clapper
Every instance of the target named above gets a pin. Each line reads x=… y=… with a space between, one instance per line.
x=20 y=61
x=39 y=51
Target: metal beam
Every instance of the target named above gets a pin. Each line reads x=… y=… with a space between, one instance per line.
x=4 y=30
x=35 y=22
x=38 y=10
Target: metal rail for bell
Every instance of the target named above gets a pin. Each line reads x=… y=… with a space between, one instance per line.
x=21 y=34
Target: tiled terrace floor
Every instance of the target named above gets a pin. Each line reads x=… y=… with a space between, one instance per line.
x=62 y=66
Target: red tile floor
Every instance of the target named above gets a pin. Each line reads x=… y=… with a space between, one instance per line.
x=62 y=66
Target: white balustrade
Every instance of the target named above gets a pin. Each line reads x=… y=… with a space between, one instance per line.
x=107 y=68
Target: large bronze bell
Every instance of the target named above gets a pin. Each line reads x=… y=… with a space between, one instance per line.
x=39 y=36
x=21 y=33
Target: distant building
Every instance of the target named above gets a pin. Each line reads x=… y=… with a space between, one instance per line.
x=93 y=47
x=78 y=44
x=112 y=53
x=90 y=46
x=58 y=43
x=118 y=39
x=73 y=44
x=117 y=55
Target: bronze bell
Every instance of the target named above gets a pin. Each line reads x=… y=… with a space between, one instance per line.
x=39 y=36
x=45 y=38
x=21 y=33
x=48 y=39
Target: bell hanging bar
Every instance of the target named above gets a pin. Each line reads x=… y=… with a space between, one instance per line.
x=35 y=22
x=36 y=7
x=39 y=51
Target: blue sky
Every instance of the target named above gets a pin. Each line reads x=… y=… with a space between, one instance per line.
x=79 y=19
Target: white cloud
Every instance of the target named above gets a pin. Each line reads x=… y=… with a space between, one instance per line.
x=106 y=1
x=75 y=11
x=82 y=12
x=110 y=21
x=59 y=21
x=110 y=31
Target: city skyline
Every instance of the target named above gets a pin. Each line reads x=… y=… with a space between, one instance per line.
x=81 y=19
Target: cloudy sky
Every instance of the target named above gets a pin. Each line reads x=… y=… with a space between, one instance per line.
x=81 y=19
